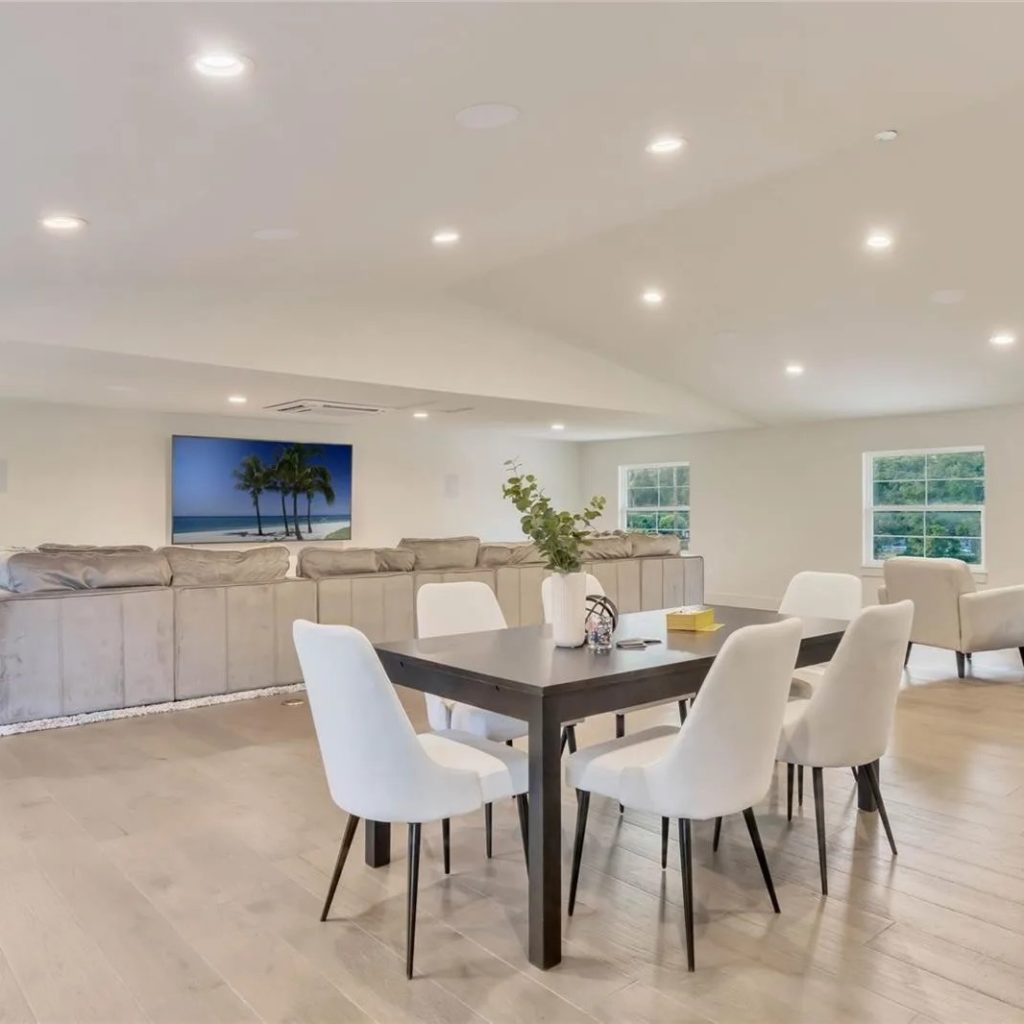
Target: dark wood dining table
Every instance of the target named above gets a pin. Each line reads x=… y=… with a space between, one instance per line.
x=520 y=672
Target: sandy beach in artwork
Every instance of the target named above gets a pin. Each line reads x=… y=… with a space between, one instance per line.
x=328 y=529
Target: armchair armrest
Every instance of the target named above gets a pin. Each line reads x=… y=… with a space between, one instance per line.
x=991 y=620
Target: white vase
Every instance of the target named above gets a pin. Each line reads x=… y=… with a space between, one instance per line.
x=568 y=608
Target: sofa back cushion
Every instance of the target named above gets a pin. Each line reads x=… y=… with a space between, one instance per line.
x=649 y=545
x=526 y=554
x=319 y=563
x=199 y=567
x=491 y=556
x=443 y=552
x=395 y=559
x=34 y=571
x=609 y=546
x=5 y=557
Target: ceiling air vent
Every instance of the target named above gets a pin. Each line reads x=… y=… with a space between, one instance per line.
x=322 y=407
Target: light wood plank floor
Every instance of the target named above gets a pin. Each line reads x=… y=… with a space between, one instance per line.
x=171 y=869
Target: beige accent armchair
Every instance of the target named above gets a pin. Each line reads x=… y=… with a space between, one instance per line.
x=950 y=612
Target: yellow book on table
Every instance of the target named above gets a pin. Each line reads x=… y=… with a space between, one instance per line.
x=696 y=618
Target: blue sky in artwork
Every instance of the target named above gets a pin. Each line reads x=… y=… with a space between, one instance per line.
x=203 y=483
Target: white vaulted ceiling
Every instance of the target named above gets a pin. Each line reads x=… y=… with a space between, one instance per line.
x=343 y=135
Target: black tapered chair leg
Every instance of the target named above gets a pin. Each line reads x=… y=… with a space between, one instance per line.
x=414 y=884
x=686 y=868
x=717 y=836
x=960 y=664
x=620 y=725
x=819 y=818
x=489 y=829
x=876 y=792
x=346 y=845
x=1021 y=649
x=664 y=843
x=570 y=735
x=907 y=656
x=762 y=860
x=800 y=785
x=564 y=742
x=856 y=777
x=790 y=771
x=682 y=711
x=523 y=806
x=582 y=808
x=446 y=843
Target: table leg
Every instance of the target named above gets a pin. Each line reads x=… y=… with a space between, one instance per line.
x=378 y=843
x=865 y=798
x=545 y=882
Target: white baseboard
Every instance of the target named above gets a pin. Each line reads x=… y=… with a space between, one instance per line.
x=65 y=721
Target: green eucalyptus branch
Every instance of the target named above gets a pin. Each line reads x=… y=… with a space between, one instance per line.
x=560 y=536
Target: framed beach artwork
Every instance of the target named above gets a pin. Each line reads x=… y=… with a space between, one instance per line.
x=230 y=490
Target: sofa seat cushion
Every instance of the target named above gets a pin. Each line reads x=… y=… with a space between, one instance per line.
x=650 y=545
x=33 y=572
x=320 y=563
x=395 y=559
x=443 y=552
x=194 y=567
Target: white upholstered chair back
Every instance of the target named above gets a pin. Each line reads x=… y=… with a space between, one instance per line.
x=446 y=609
x=593 y=588
x=376 y=768
x=935 y=586
x=827 y=595
x=849 y=716
x=722 y=760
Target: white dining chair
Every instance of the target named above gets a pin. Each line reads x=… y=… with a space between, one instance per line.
x=378 y=768
x=823 y=595
x=718 y=762
x=847 y=719
x=469 y=606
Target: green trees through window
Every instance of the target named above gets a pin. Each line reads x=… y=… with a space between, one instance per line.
x=928 y=503
x=656 y=499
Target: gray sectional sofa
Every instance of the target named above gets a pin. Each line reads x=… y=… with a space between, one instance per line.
x=102 y=628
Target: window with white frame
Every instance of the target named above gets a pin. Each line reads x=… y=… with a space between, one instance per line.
x=929 y=502
x=655 y=498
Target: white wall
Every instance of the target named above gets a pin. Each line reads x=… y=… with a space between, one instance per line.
x=94 y=476
x=767 y=503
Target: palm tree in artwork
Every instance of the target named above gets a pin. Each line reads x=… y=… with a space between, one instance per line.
x=317 y=480
x=252 y=476
x=291 y=469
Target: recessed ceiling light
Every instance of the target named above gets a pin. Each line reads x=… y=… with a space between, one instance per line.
x=1002 y=338
x=878 y=240
x=275 y=234
x=237 y=399
x=794 y=369
x=420 y=415
x=221 y=64
x=558 y=426
x=652 y=297
x=445 y=236
x=62 y=223
x=482 y=116
x=665 y=144
x=887 y=135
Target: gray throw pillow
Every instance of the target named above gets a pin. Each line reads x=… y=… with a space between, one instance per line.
x=396 y=559
x=647 y=545
x=492 y=556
